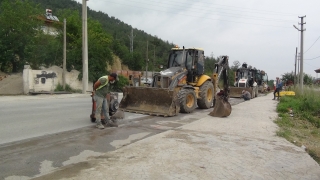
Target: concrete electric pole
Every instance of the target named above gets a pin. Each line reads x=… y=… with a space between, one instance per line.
x=147 y=63
x=131 y=37
x=301 y=51
x=154 y=57
x=295 y=68
x=64 y=53
x=84 y=47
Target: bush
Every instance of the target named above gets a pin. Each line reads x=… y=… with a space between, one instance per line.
x=59 y=88
x=120 y=84
x=67 y=89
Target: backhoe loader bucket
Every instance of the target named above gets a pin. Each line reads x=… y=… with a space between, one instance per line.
x=149 y=100
x=236 y=92
x=222 y=107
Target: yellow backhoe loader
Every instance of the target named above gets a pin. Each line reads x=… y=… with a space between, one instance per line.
x=180 y=88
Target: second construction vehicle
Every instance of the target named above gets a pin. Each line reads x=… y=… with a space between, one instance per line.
x=243 y=81
x=180 y=88
x=248 y=79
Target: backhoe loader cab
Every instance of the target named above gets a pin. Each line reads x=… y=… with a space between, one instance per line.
x=261 y=78
x=185 y=67
x=191 y=59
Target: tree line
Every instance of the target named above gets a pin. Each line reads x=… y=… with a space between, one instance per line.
x=23 y=41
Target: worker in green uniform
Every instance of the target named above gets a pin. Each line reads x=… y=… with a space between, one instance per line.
x=101 y=94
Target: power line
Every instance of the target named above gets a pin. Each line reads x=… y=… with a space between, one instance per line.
x=313 y=58
x=201 y=17
x=311 y=46
x=208 y=8
x=286 y=14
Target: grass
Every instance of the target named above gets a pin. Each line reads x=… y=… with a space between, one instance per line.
x=67 y=89
x=303 y=129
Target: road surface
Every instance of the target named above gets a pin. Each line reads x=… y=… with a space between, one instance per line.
x=39 y=134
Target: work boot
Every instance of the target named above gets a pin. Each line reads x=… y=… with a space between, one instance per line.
x=111 y=124
x=100 y=126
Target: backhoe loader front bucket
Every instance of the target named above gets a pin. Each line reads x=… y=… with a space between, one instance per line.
x=236 y=92
x=149 y=100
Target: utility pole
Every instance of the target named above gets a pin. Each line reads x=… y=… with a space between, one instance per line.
x=147 y=62
x=298 y=59
x=64 y=53
x=131 y=37
x=84 y=47
x=154 y=57
x=295 y=68
x=301 y=51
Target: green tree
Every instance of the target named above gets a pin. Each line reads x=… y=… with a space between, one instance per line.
x=47 y=50
x=307 y=79
x=99 y=45
x=209 y=65
x=287 y=77
x=119 y=85
x=19 y=26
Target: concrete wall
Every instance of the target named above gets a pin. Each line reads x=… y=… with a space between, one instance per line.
x=47 y=79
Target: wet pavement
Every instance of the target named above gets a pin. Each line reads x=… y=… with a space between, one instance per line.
x=241 y=146
x=38 y=156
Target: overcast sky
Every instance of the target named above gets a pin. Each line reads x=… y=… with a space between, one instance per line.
x=258 y=32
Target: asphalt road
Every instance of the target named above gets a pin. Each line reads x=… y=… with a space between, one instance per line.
x=39 y=134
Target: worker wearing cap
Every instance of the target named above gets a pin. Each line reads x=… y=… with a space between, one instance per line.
x=246 y=95
x=277 y=90
x=101 y=92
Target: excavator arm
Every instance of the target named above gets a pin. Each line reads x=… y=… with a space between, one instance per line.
x=222 y=107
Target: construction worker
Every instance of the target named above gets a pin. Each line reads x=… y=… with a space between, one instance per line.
x=277 y=90
x=246 y=95
x=101 y=94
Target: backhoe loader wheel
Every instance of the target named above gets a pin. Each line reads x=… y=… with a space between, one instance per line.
x=206 y=94
x=187 y=100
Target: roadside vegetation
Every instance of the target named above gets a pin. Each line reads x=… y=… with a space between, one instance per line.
x=302 y=126
x=66 y=89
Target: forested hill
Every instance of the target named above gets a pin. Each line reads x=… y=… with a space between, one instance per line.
x=24 y=41
x=120 y=32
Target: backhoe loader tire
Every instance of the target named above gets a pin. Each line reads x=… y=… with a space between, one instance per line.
x=206 y=95
x=187 y=100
